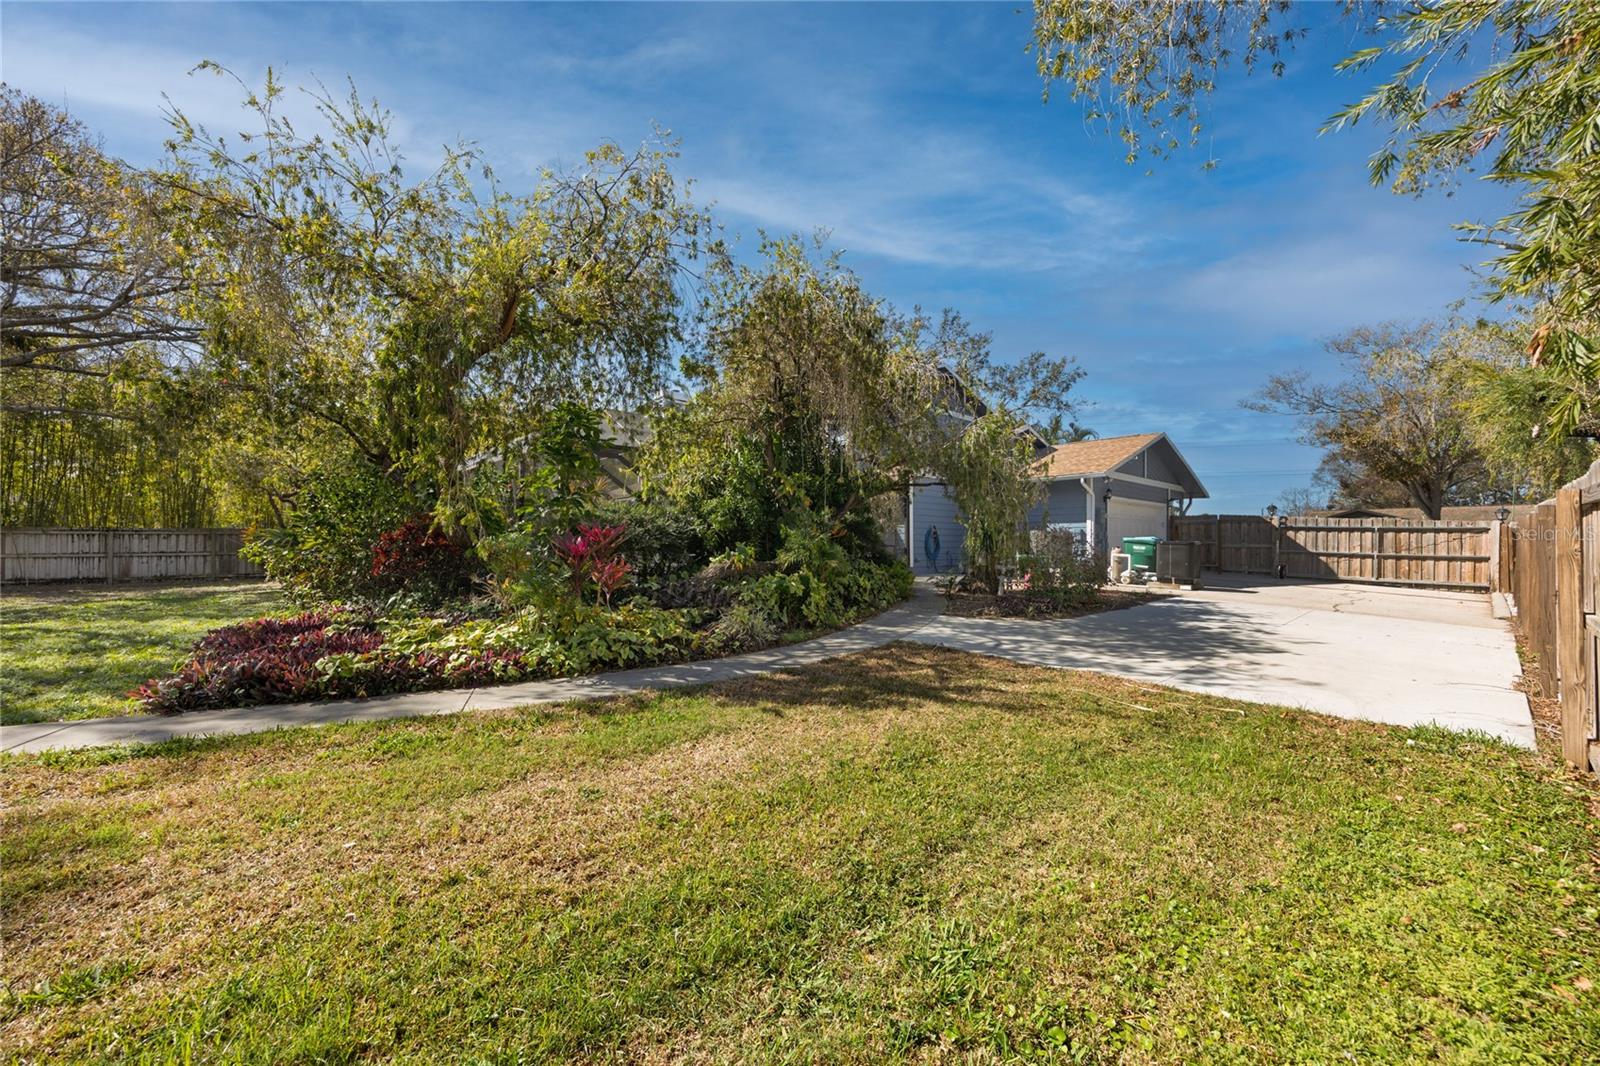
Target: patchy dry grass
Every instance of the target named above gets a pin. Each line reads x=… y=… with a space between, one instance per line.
x=906 y=854
x=77 y=652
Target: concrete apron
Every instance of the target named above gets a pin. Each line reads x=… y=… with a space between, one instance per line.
x=1400 y=656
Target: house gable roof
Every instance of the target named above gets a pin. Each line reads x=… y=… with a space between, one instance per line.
x=1084 y=457
x=1096 y=458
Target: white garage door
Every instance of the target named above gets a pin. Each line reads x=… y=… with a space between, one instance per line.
x=1134 y=518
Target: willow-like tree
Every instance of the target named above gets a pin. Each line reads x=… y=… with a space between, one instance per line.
x=811 y=393
x=421 y=321
x=800 y=399
x=1509 y=89
x=988 y=470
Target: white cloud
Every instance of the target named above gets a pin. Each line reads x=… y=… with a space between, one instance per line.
x=1349 y=269
x=127 y=78
x=940 y=200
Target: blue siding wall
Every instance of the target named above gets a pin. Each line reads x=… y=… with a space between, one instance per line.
x=932 y=508
x=1064 y=504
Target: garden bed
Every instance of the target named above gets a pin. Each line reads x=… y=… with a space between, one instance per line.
x=348 y=653
x=1013 y=605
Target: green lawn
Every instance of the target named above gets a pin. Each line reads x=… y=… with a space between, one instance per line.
x=908 y=854
x=76 y=652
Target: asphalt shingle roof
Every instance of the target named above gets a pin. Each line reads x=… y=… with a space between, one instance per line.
x=1085 y=457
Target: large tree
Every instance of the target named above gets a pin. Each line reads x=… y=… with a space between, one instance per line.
x=811 y=393
x=87 y=271
x=1507 y=88
x=800 y=397
x=1396 y=417
x=420 y=321
x=94 y=427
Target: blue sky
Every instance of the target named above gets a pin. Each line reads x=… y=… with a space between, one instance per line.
x=915 y=134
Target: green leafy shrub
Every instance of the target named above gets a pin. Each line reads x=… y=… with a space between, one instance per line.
x=829 y=598
x=323 y=552
x=745 y=627
x=860 y=536
x=1055 y=577
x=635 y=634
x=554 y=484
x=809 y=545
x=782 y=597
x=663 y=541
x=867 y=588
x=523 y=571
x=817 y=583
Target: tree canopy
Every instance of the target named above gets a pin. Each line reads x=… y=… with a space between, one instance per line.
x=86 y=268
x=94 y=426
x=810 y=393
x=421 y=320
x=1396 y=421
x=1508 y=88
x=291 y=302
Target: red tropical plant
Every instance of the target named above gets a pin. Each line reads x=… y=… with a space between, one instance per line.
x=590 y=555
x=572 y=550
x=609 y=575
x=416 y=554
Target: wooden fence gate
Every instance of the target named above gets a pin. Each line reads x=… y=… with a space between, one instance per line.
x=1385 y=551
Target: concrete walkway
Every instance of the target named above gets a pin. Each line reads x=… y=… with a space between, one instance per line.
x=897 y=623
x=1401 y=656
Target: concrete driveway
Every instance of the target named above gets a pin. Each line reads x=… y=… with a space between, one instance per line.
x=1402 y=656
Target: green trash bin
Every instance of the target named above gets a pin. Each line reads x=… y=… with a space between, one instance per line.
x=1141 y=552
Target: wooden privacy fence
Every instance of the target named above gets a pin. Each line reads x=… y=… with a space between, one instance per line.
x=1554 y=574
x=1385 y=551
x=38 y=555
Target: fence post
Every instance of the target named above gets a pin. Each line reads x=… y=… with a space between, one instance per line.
x=1571 y=646
x=1495 y=584
x=111 y=556
x=1508 y=558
